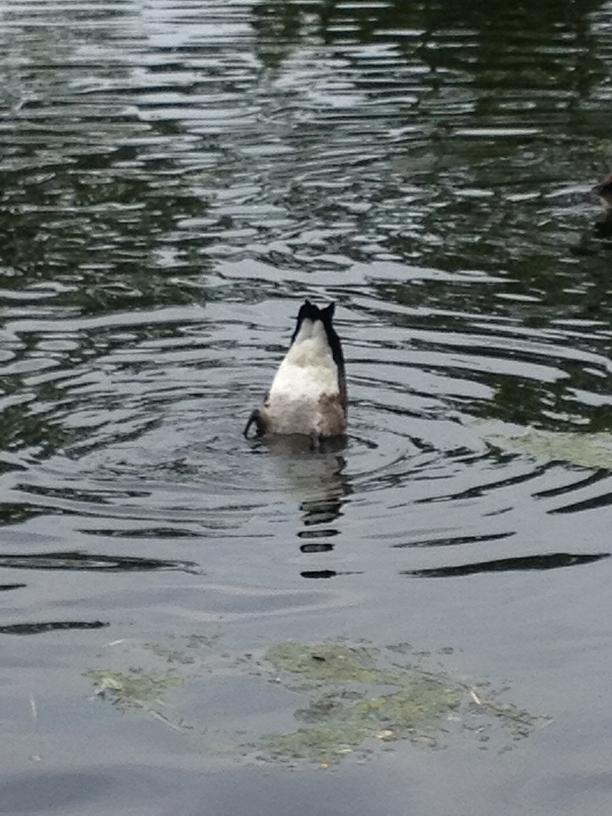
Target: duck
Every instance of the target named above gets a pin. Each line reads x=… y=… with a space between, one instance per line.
x=604 y=191
x=603 y=227
x=308 y=395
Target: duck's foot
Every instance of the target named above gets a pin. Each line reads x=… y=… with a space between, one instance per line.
x=257 y=420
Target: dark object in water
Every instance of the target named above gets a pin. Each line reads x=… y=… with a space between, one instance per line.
x=603 y=228
x=48 y=626
x=604 y=191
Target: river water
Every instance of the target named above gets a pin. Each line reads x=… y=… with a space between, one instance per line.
x=175 y=178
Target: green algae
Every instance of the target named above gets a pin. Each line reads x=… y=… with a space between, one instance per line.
x=331 y=700
x=333 y=662
x=324 y=743
x=347 y=714
x=586 y=449
x=417 y=701
x=133 y=688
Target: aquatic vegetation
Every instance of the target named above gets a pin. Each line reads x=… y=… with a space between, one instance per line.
x=580 y=448
x=357 y=697
x=588 y=450
x=334 y=662
x=354 y=698
x=360 y=697
x=133 y=687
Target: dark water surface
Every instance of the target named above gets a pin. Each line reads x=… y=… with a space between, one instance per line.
x=174 y=178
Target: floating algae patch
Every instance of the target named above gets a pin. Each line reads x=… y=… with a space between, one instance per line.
x=587 y=450
x=140 y=674
x=325 y=662
x=133 y=688
x=358 y=700
x=580 y=448
x=325 y=701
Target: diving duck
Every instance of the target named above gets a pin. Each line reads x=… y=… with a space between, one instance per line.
x=604 y=191
x=603 y=227
x=308 y=393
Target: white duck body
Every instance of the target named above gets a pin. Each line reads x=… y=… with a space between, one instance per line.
x=305 y=394
x=308 y=394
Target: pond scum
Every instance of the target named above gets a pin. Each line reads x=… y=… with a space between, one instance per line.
x=583 y=449
x=358 y=698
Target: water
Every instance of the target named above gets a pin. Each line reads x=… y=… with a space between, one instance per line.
x=175 y=178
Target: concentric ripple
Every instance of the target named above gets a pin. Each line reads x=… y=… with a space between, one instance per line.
x=176 y=178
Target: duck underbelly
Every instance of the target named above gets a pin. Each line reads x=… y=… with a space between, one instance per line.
x=305 y=395
x=296 y=414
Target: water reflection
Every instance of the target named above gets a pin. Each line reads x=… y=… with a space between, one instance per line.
x=380 y=154
x=454 y=540
x=319 y=485
x=527 y=562
x=37 y=628
x=334 y=486
x=90 y=561
x=80 y=155
x=326 y=573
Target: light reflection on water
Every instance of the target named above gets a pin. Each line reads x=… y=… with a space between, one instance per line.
x=175 y=178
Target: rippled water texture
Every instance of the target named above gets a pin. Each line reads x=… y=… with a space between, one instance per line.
x=175 y=177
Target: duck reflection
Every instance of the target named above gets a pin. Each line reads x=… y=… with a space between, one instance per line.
x=321 y=485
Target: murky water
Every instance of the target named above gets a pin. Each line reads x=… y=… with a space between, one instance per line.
x=175 y=178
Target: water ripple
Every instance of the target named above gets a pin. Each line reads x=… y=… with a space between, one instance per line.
x=175 y=178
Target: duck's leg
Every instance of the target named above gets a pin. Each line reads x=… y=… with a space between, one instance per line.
x=257 y=420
